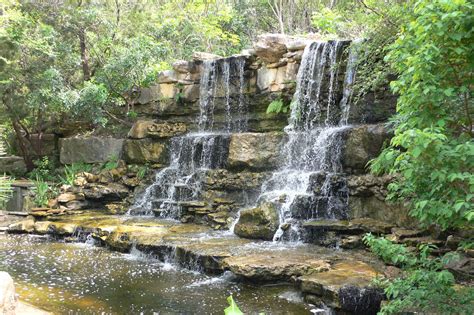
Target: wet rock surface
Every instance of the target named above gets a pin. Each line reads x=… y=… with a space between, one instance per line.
x=258 y=223
x=347 y=287
x=258 y=151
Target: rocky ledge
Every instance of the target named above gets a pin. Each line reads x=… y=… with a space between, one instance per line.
x=339 y=278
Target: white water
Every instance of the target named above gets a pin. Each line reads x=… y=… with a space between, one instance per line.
x=315 y=133
x=195 y=153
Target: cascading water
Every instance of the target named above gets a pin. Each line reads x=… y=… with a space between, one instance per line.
x=193 y=154
x=309 y=185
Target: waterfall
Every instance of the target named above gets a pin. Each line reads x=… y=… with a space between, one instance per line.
x=193 y=154
x=349 y=79
x=308 y=184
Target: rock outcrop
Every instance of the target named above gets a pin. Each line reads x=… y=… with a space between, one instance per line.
x=89 y=150
x=255 y=151
x=258 y=223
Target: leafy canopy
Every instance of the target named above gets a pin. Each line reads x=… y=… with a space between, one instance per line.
x=433 y=150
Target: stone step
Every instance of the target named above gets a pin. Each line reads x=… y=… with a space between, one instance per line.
x=344 y=233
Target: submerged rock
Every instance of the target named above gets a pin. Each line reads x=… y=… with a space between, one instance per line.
x=258 y=223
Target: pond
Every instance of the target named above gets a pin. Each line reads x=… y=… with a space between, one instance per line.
x=72 y=278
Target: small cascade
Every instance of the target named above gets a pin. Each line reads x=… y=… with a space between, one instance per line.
x=310 y=184
x=349 y=80
x=180 y=184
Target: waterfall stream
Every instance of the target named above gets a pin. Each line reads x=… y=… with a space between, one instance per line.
x=309 y=183
x=193 y=154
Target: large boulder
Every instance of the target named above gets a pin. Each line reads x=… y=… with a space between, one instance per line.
x=362 y=144
x=271 y=47
x=149 y=128
x=89 y=150
x=14 y=165
x=257 y=151
x=258 y=223
x=7 y=294
x=144 y=150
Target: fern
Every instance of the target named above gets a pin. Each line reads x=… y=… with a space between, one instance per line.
x=277 y=106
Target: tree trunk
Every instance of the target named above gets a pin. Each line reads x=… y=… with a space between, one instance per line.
x=85 y=59
x=23 y=147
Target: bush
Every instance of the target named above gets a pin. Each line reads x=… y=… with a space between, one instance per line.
x=425 y=286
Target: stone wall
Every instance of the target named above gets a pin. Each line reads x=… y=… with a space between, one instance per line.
x=171 y=108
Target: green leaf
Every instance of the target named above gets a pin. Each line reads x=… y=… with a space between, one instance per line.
x=233 y=309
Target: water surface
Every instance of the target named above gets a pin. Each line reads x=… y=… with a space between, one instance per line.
x=73 y=278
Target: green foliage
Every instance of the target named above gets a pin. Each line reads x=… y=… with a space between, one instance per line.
x=433 y=150
x=328 y=21
x=111 y=164
x=143 y=171
x=5 y=181
x=5 y=189
x=71 y=171
x=42 y=192
x=425 y=285
x=233 y=309
x=277 y=106
x=44 y=170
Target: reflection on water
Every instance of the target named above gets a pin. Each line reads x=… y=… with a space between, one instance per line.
x=80 y=278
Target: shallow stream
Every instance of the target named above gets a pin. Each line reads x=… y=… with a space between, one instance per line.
x=73 y=278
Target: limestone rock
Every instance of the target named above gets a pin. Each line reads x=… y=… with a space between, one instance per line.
x=347 y=287
x=278 y=79
x=183 y=66
x=7 y=294
x=42 y=227
x=158 y=92
x=199 y=55
x=89 y=150
x=271 y=47
x=109 y=192
x=139 y=129
x=363 y=143
x=166 y=130
x=258 y=223
x=220 y=179
x=143 y=151
x=190 y=92
x=167 y=76
x=24 y=226
x=148 y=128
x=297 y=44
x=66 y=197
x=12 y=165
x=274 y=266
x=255 y=150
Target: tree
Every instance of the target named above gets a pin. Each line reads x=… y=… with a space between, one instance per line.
x=432 y=152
